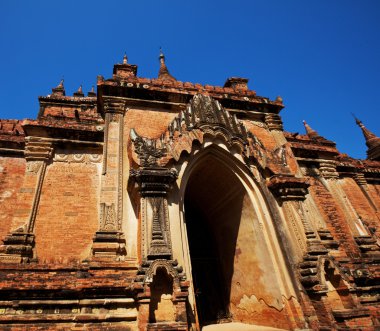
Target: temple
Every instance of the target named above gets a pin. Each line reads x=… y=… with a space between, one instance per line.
x=155 y=204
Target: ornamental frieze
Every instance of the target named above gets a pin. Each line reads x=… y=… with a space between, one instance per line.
x=77 y=158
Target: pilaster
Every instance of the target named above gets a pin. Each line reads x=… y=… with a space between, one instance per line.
x=154 y=185
x=362 y=183
x=291 y=192
x=327 y=169
x=19 y=244
x=157 y=257
x=274 y=122
x=109 y=240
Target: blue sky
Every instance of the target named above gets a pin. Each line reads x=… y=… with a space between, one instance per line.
x=321 y=56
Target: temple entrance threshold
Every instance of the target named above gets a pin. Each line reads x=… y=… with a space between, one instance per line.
x=239 y=327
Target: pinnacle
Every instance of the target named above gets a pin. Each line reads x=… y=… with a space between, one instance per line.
x=60 y=89
x=371 y=140
x=79 y=92
x=309 y=131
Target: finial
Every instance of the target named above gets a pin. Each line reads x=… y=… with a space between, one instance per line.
x=80 y=90
x=162 y=56
x=125 y=59
x=279 y=99
x=92 y=89
x=61 y=83
x=309 y=131
x=358 y=122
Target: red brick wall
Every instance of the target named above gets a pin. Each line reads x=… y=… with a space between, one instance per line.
x=148 y=123
x=334 y=216
x=374 y=191
x=69 y=111
x=12 y=172
x=360 y=202
x=263 y=135
x=67 y=217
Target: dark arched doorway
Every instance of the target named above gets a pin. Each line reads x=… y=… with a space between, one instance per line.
x=213 y=208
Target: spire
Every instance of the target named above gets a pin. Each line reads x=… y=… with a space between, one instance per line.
x=163 y=73
x=368 y=135
x=371 y=140
x=125 y=59
x=309 y=131
x=79 y=92
x=60 y=89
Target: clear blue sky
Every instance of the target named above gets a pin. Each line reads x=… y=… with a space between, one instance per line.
x=321 y=56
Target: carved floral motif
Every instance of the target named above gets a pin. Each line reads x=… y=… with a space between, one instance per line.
x=77 y=158
x=108 y=220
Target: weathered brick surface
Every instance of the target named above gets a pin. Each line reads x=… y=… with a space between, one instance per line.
x=263 y=135
x=12 y=171
x=72 y=276
x=360 y=202
x=68 y=212
x=148 y=123
x=374 y=191
x=11 y=132
x=84 y=112
x=334 y=217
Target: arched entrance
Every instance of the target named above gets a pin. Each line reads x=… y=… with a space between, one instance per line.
x=214 y=204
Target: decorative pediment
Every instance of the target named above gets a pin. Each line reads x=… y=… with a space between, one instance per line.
x=206 y=111
x=202 y=116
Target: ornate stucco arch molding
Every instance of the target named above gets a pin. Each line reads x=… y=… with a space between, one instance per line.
x=204 y=118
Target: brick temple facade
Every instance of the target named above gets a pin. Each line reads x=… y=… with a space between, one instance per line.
x=153 y=204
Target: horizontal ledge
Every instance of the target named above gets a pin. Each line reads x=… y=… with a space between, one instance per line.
x=98 y=143
x=83 y=302
x=60 y=318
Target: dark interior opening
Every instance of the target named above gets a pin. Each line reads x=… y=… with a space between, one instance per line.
x=213 y=207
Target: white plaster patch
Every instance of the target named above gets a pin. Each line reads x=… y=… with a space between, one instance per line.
x=5 y=194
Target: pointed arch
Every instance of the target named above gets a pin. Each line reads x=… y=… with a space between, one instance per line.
x=239 y=214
